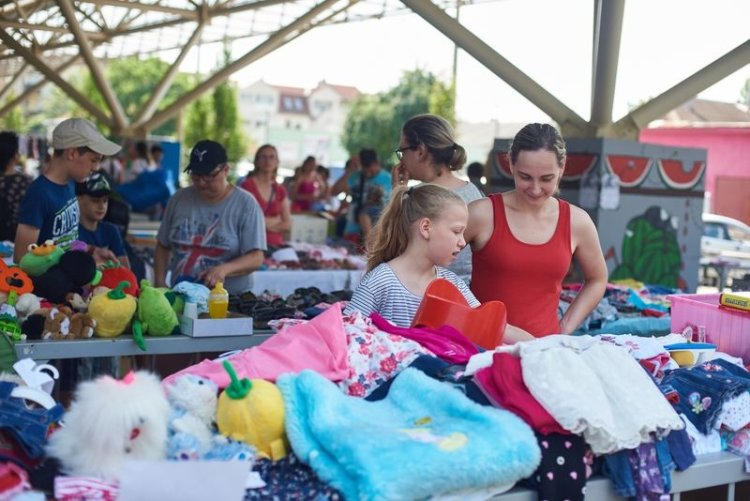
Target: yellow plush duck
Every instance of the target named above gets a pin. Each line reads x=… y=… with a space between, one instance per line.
x=252 y=411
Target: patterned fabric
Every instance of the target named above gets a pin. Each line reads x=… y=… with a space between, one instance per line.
x=562 y=472
x=290 y=479
x=735 y=413
x=12 y=190
x=84 y=489
x=374 y=356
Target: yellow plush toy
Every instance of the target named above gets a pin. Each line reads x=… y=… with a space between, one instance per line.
x=112 y=311
x=252 y=411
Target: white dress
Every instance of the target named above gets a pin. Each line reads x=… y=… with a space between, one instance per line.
x=596 y=389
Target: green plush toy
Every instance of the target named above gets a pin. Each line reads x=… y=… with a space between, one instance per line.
x=155 y=315
x=40 y=258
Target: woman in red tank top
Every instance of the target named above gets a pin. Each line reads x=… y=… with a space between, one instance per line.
x=523 y=242
x=270 y=195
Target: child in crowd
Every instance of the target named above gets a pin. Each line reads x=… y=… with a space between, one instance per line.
x=420 y=231
x=93 y=200
x=49 y=210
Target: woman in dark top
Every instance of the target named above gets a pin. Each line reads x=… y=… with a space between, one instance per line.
x=13 y=185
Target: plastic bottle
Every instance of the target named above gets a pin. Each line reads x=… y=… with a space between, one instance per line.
x=218 y=301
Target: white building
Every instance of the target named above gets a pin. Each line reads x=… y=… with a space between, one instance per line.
x=297 y=122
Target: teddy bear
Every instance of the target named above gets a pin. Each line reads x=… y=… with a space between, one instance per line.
x=58 y=322
x=191 y=432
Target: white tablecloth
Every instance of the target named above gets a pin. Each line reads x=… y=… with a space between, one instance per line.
x=283 y=282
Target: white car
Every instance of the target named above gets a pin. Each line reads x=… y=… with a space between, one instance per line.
x=725 y=237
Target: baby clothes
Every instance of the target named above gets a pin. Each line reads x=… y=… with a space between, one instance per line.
x=704 y=389
x=596 y=389
x=445 y=342
x=735 y=413
x=373 y=356
x=562 y=472
x=503 y=384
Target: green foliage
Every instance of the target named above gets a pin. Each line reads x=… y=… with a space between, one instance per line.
x=226 y=122
x=375 y=121
x=198 y=121
x=133 y=80
x=13 y=119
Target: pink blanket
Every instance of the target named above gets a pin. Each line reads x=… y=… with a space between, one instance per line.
x=319 y=345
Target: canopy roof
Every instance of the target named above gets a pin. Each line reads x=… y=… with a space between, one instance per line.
x=52 y=35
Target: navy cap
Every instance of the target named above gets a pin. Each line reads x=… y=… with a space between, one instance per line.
x=205 y=157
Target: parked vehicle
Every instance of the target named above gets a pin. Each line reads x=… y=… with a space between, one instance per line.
x=724 y=236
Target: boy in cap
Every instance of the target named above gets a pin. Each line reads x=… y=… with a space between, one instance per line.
x=50 y=208
x=93 y=200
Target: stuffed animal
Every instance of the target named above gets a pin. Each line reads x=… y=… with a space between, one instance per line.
x=112 y=311
x=193 y=402
x=26 y=304
x=76 y=302
x=74 y=270
x=113 y=273
x=192 y=434
x=58 y=322
x=109 y=422
x=40 y=258
x=155 y=315
x=252 y=411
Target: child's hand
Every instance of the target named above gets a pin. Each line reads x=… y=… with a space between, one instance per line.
x=101 y=255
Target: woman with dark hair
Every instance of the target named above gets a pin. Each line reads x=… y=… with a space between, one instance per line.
x=13 y=185
x=428 y=152
x=270 y=195
x=523 y=242
x=306 y=187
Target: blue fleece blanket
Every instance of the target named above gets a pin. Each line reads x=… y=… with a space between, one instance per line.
x=425 y=438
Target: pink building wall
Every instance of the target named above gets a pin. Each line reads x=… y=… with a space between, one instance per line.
x=728 y=148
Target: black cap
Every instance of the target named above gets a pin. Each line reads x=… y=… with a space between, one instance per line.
x=96 y=185
x=205 y=157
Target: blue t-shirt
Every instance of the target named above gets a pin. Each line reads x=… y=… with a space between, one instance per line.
x=376 y=190
x=53 y=208
x=106 y=236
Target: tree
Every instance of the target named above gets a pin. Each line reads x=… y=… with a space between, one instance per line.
x=198 y=121
x=375 y=121
x=226 y=123
x=13 y=119
x=133 y=80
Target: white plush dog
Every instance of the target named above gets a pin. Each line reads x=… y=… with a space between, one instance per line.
x=110 y=421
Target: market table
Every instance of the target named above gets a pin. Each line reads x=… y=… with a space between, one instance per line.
x=283 y=282
x=125 y=346
x=709 y=470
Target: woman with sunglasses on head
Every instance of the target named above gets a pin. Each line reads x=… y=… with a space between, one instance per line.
x=211 y=231
x=428 y=152
x=524 y=240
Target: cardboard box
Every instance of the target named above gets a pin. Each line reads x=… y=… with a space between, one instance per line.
x=203 y=326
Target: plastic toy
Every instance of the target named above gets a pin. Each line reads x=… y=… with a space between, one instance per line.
x=443 y=304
